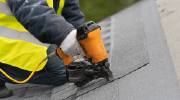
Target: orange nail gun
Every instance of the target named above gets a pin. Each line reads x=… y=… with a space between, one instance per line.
x=97 y=66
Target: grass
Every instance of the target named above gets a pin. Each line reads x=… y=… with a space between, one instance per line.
x=97 y=10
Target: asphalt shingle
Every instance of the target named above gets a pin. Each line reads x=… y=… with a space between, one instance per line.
x=65 y=93
x=61 y=87
x=17 y=86
x=38 y=90
x=106 y=92
x=39 y=97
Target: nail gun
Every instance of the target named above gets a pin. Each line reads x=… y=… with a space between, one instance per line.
x=80 y=71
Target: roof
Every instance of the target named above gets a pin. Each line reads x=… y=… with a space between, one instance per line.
x=139 y=59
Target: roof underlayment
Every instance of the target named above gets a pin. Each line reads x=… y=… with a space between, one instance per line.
x=139 y=59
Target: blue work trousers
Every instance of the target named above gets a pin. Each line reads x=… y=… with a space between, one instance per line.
x=54 y=73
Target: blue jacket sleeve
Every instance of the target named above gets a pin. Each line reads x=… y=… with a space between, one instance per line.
x=40 y=20
x=72 y=13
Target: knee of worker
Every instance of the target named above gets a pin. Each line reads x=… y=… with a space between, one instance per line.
x=59 y=79
x=57 y=74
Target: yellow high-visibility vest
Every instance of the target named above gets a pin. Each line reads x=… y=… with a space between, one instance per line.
x=18 y=47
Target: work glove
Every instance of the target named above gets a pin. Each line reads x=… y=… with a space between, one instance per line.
x=70 y=46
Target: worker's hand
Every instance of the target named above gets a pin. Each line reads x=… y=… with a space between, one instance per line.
x=70 y=46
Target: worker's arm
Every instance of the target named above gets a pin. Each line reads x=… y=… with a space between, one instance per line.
x=72 y=13
x=41 y=20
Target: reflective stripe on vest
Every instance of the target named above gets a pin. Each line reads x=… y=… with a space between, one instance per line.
x=61 y=6
x=17 y=46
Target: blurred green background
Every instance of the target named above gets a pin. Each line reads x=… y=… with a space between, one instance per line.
x=97 y=10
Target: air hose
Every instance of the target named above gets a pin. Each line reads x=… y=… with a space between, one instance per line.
x=32 y=73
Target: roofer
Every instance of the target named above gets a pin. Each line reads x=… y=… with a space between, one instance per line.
x=27 y=27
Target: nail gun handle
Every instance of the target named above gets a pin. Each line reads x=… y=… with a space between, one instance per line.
x=67 y=59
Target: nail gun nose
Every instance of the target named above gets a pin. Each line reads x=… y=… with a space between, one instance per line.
x=110 y=77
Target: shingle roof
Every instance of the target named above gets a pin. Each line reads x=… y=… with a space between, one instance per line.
x=139 y=59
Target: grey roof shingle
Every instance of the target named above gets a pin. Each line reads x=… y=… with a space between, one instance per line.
x=65 y=93
x=139 y=58
x=38 y=90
